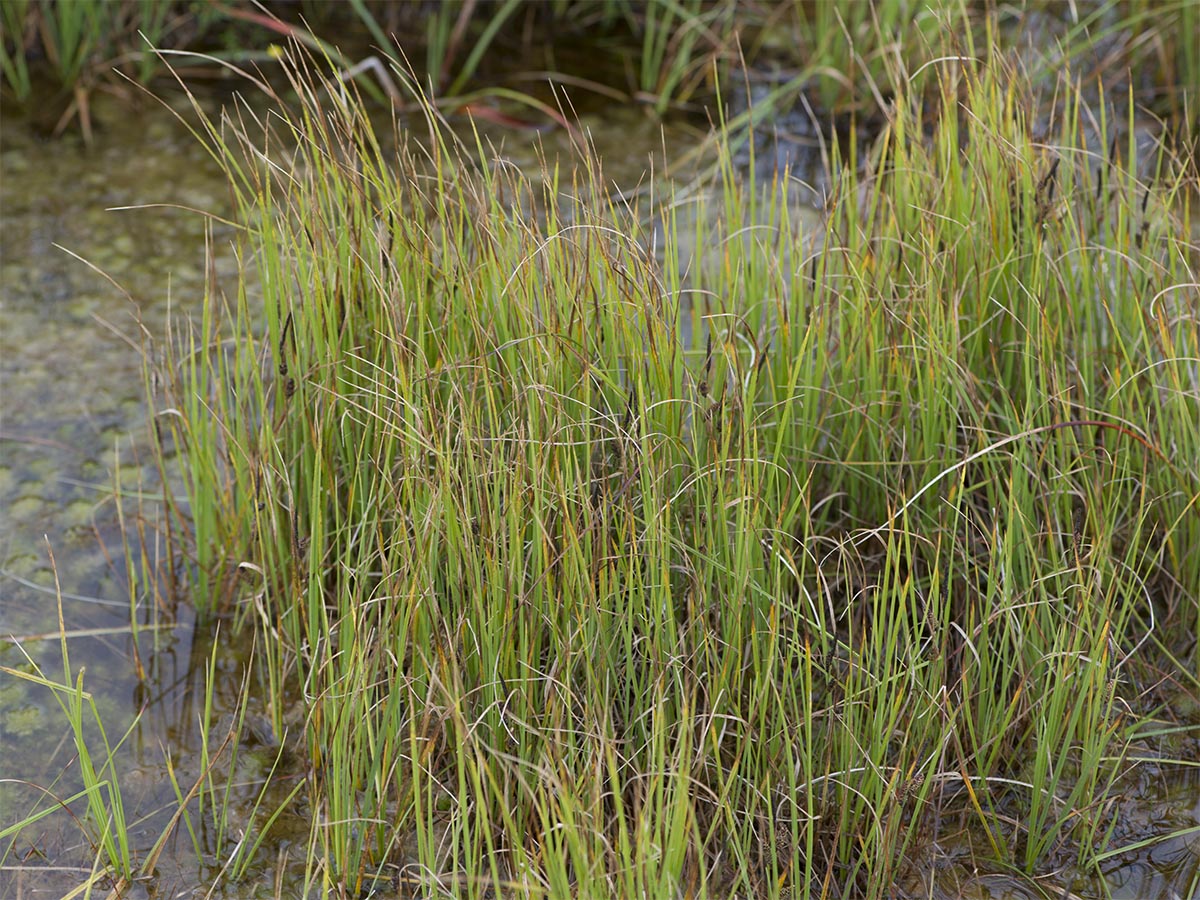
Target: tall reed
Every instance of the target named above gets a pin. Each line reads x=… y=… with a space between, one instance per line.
x=578 y=607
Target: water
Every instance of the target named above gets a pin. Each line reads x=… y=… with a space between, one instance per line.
x=71 y=418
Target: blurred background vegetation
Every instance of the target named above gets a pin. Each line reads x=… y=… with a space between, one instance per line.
x=665 y=55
